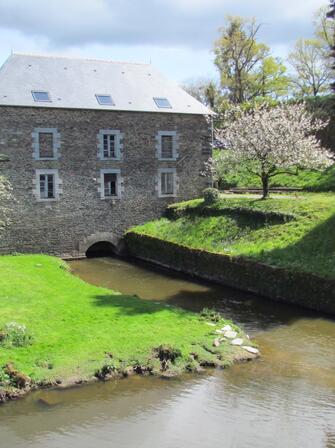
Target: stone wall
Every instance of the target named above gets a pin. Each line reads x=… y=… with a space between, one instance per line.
x=276 y=283
x=80 y=217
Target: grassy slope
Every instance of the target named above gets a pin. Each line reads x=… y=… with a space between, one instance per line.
x=307 y=243
x=74 y=323
x=307 y=180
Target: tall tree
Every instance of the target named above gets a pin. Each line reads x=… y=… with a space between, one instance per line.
x=205 y=91
x=245 y=65
x=331 y=19
x=312 y=69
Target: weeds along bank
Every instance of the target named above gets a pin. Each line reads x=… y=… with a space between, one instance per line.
x=56 y=330
x=282 y=248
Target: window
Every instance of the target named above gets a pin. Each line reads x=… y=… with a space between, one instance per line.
x=109 y=144
x=162 y=103
x=110 y=184
x=105 y=100
x=47 y=185
x=46 y=143
x=110 y=187
x=41 y=96
x=166 y=146
x=46 y=148
x=167 y=182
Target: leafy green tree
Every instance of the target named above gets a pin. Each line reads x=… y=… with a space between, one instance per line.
x=311 y=68
x=246 y=68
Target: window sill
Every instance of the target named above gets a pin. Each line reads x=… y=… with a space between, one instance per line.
x=117 y=159
x=170 y=159
x=48 y=200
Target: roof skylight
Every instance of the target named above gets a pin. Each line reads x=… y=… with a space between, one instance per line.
x=162 y=103
x=105 y=100
x=41 y=96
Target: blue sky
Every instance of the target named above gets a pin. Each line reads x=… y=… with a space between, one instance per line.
x=175 y=35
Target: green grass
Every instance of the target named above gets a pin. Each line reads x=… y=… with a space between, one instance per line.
x=308 y=180
x=75 y=324
x=305 y=243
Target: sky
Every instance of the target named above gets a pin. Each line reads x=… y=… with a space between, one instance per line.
x=176 y=36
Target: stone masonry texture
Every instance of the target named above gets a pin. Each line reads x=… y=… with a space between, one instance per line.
x=68 y=226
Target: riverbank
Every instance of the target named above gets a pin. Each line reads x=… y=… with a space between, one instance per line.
x=68 y=332
x=282 y=248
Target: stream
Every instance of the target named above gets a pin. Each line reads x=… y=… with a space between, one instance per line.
x=285 y=399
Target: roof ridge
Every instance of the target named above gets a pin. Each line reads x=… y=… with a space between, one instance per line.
x=54 y=56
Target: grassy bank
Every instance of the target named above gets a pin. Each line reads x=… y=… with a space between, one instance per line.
x=307 y=180
x=302 y=238
x=76 y=331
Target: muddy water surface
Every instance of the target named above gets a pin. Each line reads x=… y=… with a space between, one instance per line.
x=286 y=399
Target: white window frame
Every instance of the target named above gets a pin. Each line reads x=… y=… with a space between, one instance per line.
x=119 y=183
x=57 y=185
x=175 y=145
x=118 y=143
x=175 y=182
x=36 y=143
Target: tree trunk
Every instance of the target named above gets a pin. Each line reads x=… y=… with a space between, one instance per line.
x=265 y=185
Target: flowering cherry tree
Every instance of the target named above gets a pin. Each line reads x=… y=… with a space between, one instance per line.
x=271 y=141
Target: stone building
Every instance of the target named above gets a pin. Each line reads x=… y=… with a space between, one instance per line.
x=94 y=147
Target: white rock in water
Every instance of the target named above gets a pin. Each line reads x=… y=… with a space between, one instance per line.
x=237 y=341
x=249 y=349
x=226 y=328
x=211 y=324
x=230 y=334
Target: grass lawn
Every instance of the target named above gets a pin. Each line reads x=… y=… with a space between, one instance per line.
x=308 y=180
x=305 y=243
x=78 y=328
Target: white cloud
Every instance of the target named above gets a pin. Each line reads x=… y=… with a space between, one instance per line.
x=173 y=33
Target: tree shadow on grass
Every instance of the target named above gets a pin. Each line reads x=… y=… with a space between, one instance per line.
x=314 y=252
x=132 y=305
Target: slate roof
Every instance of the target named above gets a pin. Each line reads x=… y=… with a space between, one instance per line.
x=74 y=83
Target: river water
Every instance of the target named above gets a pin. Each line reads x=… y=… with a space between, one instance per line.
x=285 y=399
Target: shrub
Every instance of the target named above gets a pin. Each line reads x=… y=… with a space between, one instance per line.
x=211 y=195
x=210 y=314
x=4 y=378
x=15 y=335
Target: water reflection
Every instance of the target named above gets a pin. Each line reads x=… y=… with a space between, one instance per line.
x=286 y=399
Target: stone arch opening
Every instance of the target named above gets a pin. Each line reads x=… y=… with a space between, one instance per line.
x=100 y=249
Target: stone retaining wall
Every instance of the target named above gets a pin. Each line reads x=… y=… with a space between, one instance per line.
x=273 y=282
